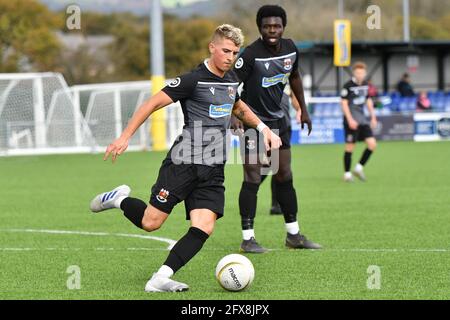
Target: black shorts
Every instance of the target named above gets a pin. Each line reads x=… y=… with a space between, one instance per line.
x=360 y=134
x=199 y=186
x=255 y=142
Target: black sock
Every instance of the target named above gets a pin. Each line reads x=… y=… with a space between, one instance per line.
x=347 y=161
x=134 y=210
x=273 y=187
x=365 y=157
x=287 y=198
x=186 y=248
x=247 y=204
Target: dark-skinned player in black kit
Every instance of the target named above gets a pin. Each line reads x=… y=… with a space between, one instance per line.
x=265 y=67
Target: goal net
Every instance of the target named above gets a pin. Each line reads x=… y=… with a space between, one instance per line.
x=40 y=114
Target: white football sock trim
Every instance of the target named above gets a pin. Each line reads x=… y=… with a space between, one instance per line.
x=292 y=228
x=165 y=271
x=119 y=201
x=247 y=234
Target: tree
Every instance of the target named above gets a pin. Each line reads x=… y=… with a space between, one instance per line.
x=186 y=43
x=26 y=35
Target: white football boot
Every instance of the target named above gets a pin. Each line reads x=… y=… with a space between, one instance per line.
x=159 y=283
x=348 y=177
x=359 y=172
x=109 y=200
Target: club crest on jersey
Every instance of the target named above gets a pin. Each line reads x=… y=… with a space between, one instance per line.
x=213 y=90
x=175 y=83
x=239 y=63
x=287 y=64
x=162 y=196
x=223 y=110
x=279 y=78
x=232 y=93
x=267 y=65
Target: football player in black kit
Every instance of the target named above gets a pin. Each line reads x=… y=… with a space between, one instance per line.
x=193 y=170
x=356 y=126
x=265 y=67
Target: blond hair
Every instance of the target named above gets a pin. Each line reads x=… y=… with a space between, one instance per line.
x=227 y=31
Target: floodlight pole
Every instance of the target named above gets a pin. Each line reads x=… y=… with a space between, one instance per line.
x=340 y=70
x=406 y=33
x=157 y=39
x=158 y=124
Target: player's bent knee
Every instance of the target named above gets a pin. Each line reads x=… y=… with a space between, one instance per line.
x=283 y=177
x=153 y=218
x=349 y=147
x=151 y=225
x=372 y=144
x=207 y=225
x=207 y=228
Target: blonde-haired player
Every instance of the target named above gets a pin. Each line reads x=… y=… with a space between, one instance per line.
x=191 y=172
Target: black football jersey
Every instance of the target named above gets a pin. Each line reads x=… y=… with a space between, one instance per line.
x=265 y=75
x=207 y=102
x=357 y=96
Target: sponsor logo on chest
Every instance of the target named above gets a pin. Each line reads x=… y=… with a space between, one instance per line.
x=219 y=111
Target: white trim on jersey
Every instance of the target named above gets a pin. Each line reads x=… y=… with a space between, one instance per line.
x=275 y=58
x=205 y=62
x=219 y=83
x=215 y=83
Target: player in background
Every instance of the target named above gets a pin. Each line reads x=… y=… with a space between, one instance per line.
x=265 y=67
x=356 y=126
x=193 y=170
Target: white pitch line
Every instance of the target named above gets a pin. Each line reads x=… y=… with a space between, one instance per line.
x=228 y=250
x=81 y=249
x=170 y=242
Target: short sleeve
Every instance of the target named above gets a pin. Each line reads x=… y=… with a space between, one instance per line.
x=345 y=92
x=244 y=65
x=297 y=57
x=182 y=87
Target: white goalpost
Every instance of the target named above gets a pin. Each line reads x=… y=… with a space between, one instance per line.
x=40 y=114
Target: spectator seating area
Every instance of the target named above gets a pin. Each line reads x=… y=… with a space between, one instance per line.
x=391 y=103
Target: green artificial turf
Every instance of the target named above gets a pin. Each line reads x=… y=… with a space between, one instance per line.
x=399 y=221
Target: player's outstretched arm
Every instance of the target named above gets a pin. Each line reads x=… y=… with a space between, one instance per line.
x=248 y=117
x=156 y=102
